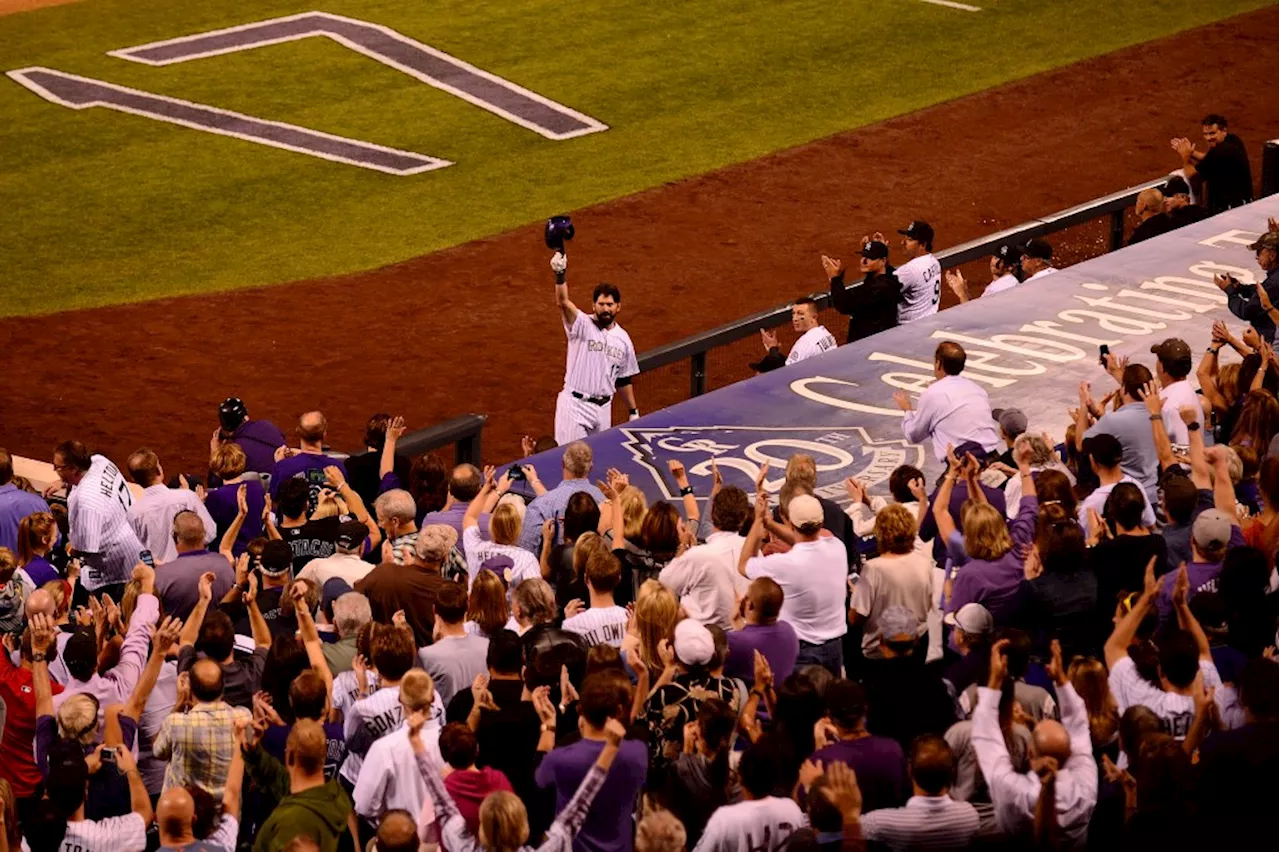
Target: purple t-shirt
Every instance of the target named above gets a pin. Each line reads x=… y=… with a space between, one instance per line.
x=777 y=642
x=609 y=826
x=259 y=439
x=41 y=571
x=878 y=763
x=222 y=507
x=996 y=583
x=1203 y=577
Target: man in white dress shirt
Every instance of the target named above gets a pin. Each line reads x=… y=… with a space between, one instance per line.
x=705 y=578
x=1173 y=365
x=814 y=338
x=1004 y=274
x=389 y=778
x=152 y=515
x=950 y=411
x=1037 y=260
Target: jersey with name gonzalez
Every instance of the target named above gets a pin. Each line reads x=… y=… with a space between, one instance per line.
x=921 y=288
x=597 y=357
x=812 y=343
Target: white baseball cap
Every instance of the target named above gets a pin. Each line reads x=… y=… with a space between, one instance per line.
x=804 y=510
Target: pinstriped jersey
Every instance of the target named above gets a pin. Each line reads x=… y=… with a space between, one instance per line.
x=597 y=357
x=98 y=512
x=377 y=716
x=921 y=288
x=600 y=626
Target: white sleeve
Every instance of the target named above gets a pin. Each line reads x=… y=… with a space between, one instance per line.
x=575 y=330
x=225 y=836
x=1007 y=786
x=863 y=593
x=210 y=527
x=1128 y=687
x=713 y=836
x=370 y=784
x=630 y=366
x=757 y=568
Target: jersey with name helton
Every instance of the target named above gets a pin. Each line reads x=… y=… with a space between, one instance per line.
x=812 y=343
x=921 y=288
x=98 y=512
x=597 y=357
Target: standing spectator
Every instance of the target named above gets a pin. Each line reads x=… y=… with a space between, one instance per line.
x=675 y=704
x=900 y=576
x=308 y=804
x=1212 y=535
x=604 y=623
x=177 y=580
x=814 y=338
x=153 y=513
x=411 y=588
x=464 y=487
x=455 y=657
x=1243 y=299
x=98 y=514
x=872 y=305
x=1063 y=773
x=15 y=504
x=1106 y=459
x=1004 y=274
x=1224 y=166
x=705 y=577
x=213 y=635
x=346 y=563
x=905 y=698
x=397 y=516
x=309 y=461
x=37 y=536
x=931 y=819
x=1173 y=365
x=608 y=827
x=1012 y=423
x=877 y=761
x=1122 y=544
x=17 y=755
x=802 y=471
x=575 y=468
x=1152 y=218
x=812 y=576
x=350 y=612
x=389 y=779
x=257 y=439
x=950 y=411
x=763 y=632
x=199 y=738
x=362 y=468
x=701 y=779
x=921 y=275
x=1237 y=778
x=504 y=532
x=468 y=784
x=763 y=820
x=1129 y=424
x=62 y=815
x=1037 y=260
x=222 y=503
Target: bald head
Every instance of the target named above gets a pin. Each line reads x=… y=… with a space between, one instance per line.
x=175 y=813
x=40 y=602
x=206 y=680
x=397 y=833
x=189 y=531
x=464 y=483
x=312 y=428
x=1051 y=740
x=1150 y=203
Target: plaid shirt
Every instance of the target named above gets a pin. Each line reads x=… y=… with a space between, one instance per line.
x=199 y=745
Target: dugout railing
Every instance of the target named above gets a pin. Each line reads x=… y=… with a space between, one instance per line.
x=697 y=348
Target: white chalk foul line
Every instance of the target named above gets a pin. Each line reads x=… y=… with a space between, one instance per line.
x=951 y=4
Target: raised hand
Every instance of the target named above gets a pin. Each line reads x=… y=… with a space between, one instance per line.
x=489 y=481
x=842 y=787
x=559 y=263
x=999 y=664
x=543 y=707
x=242 y=501
x=480 y=693
x=667 y=654
x=396 y=428
x=1055 y=669
x=400 y=621
x=761 y=476
x=1150 y=394
x=824 y=734
x=1149 y=583
x=43 y=634
x=832 y=266
x=205 y=586
x=769 y=339
x=333 y=476
x=717 y=481
x=1181 y=585
x=167 y=635
x=902 y=400
x=916 y=486
x=614 y=733
x=810 y=771
x=415 y=722
x=527 y=445
x=678 y=472
x=573 y=607
x=856 y=490
x=568 y=692
x=955 y=280
x=762 y=672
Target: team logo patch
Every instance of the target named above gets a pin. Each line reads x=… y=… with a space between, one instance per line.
x=739 y=451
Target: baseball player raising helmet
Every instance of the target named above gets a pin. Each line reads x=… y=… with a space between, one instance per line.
x=600 y=362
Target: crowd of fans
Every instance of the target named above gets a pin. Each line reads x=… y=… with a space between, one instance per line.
x=1066 y=641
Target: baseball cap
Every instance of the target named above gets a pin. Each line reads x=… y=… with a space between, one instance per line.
x=694 y=645
x=351 y=534
x=276 y=559
x=1176 y=185
x=1266 y=241
x=1009 y=254
x=919 y=231
x=1011 y=420
x=973 y=618
x=1172 y=352
x=231 y=413
x=971 y=448
x=898 y=621
x=805 y=511
x=875 y=250
x=334 y=588
x=500 y=565
x=1212 y=531
x=1038 y=249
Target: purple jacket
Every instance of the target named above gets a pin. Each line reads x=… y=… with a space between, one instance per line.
x=302 y=465
x=959 y=493
x=259 y=439
x=16 y=504
x=117 y=685
x=995 y=583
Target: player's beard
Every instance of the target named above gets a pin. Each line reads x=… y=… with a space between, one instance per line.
x=604 y=320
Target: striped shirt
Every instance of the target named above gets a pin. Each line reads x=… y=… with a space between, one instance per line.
x=346 y=690
x=600 y=626
x=921 y=288
x=551 y=505
x=126 y=833
x=98 y=512
x=478 y=550
x=927 y=822
x=152 y=519
x=199 y=745
x=373 y=718
x=597 y=357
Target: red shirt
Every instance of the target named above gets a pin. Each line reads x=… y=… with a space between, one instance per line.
x=468 y=787
x=17 y=745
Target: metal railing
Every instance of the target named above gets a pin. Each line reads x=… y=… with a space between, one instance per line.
x=695 y=348
x=463 y=432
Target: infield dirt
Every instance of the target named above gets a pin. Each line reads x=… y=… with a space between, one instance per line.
x=474 y=328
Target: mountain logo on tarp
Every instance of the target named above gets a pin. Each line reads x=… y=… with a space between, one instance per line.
x=739 y=451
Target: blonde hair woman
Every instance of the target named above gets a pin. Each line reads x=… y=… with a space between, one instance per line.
x=37 y=535
x=1089 y=677
x=656 y=613
x=227 y=462
x=504 y=532
x=487 y=611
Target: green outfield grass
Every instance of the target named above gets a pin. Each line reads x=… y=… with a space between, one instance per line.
x=103 y=207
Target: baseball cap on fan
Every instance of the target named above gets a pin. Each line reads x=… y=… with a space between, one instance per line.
x=1176 y=185
x=805 y=511
x=921 y=232
x=972 y=618
x=1266 y=241
x=1173 y=353
x=1038 y=249
x=1211 y=533
x=875 y=250
x=1011 y=420
x=351 y=534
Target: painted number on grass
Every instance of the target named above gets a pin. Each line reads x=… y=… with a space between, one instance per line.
x=422 y=62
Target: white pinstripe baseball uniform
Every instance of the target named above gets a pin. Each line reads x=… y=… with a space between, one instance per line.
x=812 y=343
x=346 y=690
x=597 y=359
x=98 y=512
x=921 y=288
x=1005 y=282
x=378 y=715
x=600 y=626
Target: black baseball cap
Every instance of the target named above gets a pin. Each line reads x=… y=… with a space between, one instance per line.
x=351 y=534
x=921 y=232
x=1176 y=185
x=1008 y=254
x=232 y=412
x=875 y=250
x=1038 y=249
x=277 y=558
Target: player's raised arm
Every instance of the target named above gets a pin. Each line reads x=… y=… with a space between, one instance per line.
x=568 y=310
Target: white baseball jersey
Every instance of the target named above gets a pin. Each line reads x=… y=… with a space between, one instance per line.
x=602 y=626
x=98 y=512
x=121 y=832
x=1004 y=282
x=758 y=824
x=378 y=715
x=1048 y=270
x=921 y=288
x=597 y=357
x=812 y=343
x=526 y=567
x=346 y=690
